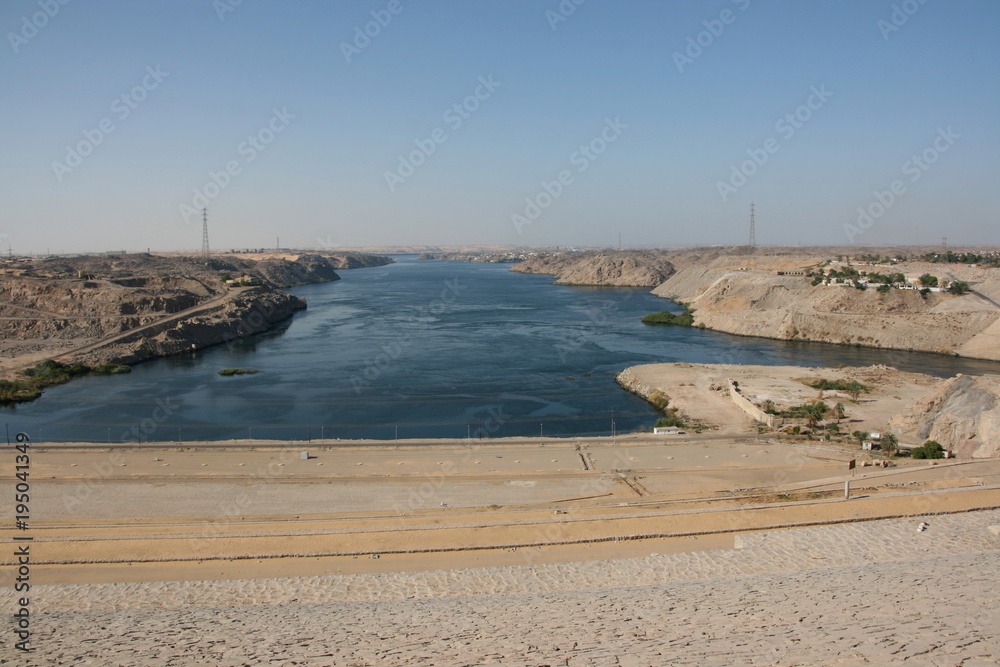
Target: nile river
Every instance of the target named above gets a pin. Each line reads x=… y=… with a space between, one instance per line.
x=423 y=349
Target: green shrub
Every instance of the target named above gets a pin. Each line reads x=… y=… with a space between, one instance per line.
x=931 y=449
x=852 y=387
x=50 y=373
x=108 y=368
x=684 y=319
x=228 y=372
x=671 y=419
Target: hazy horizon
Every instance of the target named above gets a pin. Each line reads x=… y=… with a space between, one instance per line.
x=552 y=123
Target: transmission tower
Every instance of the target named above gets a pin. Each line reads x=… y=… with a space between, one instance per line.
x=753 y=230
x=204 y=233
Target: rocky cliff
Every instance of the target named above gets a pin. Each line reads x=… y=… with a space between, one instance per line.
x=627 y=268
x=962 y=413
x=251 y=311
x=44 y=314
x=356 y=260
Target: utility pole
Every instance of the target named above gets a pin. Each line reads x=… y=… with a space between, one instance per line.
x=204 y=233
x=753 y=230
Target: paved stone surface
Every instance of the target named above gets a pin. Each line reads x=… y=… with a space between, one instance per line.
x=869 y=593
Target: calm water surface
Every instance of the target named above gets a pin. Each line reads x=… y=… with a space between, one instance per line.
x=423 y=349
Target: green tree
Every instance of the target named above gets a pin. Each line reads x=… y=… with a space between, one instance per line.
x=859 y=436
x=815 y=413
x=927 y=280
x=854 y=389
x=890 y=444
x=959 y=287
x=838 y=412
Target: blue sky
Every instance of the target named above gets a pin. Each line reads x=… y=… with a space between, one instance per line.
x=304 y=135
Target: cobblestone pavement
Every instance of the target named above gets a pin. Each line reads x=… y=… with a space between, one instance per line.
x=868 y=593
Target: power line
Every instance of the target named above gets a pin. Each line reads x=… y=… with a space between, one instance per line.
x=204 y=233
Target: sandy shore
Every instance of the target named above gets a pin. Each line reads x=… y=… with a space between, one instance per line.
x=690 y=389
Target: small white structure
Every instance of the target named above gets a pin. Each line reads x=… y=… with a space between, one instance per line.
x=666 y=430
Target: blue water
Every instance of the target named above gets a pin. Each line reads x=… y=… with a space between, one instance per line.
x=423 y=349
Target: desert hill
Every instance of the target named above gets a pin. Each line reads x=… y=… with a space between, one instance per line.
x=747 y=295
x=628 y=268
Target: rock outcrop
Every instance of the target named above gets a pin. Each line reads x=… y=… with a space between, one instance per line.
x=962 y=413
x=252 y=311
x=625 y=268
